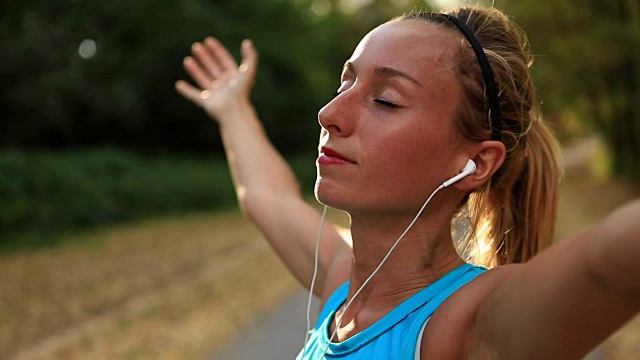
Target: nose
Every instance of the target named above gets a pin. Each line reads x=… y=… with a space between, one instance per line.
x=338 y=117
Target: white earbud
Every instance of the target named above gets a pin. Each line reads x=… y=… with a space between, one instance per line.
x=469 y=169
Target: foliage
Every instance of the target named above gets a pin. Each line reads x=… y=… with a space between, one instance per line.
x=121 y=91
x=123 y=95
x=80 y=74
x=44 y=193
x=589 y=64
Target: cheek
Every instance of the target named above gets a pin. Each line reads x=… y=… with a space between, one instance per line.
x=403 y=161
x=417 y=161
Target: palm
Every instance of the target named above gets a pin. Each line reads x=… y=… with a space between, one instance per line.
x=221 y=82
x=222 y=91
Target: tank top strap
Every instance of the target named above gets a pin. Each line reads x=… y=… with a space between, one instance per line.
x=411 y=348
x=335 y=300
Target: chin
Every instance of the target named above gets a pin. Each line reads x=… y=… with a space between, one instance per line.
x=328 y=196
x=320 y=195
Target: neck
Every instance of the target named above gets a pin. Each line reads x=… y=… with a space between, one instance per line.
x=424 y=254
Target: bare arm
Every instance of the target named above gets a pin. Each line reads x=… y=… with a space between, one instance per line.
x=267 y=190
x=571 y=297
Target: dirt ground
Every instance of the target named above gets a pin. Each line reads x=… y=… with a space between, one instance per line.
x=164 y=289
x=178 y=288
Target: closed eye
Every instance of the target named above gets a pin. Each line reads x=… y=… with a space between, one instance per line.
x=386 y=103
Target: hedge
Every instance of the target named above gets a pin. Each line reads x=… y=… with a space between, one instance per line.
x=45 y=193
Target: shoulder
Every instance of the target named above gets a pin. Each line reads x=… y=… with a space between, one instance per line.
x=450 y=331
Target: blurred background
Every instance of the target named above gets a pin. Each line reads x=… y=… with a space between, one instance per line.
x=119 y=232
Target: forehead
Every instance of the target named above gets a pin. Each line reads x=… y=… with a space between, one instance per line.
x=409 y=45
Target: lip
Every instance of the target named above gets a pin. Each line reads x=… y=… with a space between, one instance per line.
x=331 y=157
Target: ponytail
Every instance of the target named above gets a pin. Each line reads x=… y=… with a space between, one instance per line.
x=531 y=204
x=512 y=217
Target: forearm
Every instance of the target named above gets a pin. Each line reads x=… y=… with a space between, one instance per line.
x=269 y=195
x=615 y=255
x=266 y=187
x=257 y=168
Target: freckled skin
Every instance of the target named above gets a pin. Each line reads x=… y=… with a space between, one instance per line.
x=402 y=154
x=390 y=143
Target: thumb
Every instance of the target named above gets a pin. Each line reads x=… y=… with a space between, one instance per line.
x=249 y=64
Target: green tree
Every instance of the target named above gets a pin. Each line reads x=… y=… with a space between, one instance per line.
x=82 y=73
x=120 y=90
x=589 y=64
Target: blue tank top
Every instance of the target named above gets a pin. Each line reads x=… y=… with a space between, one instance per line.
x=395 y=335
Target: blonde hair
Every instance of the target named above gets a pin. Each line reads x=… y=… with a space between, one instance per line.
x=512 y=217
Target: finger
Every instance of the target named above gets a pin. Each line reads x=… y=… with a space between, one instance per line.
x=206 y=58
x=248 y=68
x=189 y=92
x=222 y=55
x=249 y=59
x=197 y=73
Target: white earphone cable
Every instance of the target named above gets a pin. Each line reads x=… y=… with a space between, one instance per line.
x=344 y=311
x=313 y=279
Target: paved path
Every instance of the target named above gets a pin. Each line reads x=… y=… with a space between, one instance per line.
x=276 y=335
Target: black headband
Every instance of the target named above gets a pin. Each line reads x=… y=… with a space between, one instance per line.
x=489 y=80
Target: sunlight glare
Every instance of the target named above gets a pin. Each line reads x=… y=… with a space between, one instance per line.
x=87 y=49
x=352 y=6
x=447 y=4
x=320 y=7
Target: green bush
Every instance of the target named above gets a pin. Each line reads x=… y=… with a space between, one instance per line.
x=44 y=193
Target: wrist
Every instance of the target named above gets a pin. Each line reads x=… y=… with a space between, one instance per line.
x=233 y=111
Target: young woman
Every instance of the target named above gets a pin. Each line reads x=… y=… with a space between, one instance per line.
x=434 y=133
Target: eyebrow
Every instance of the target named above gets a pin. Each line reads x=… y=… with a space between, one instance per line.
x=383 y=71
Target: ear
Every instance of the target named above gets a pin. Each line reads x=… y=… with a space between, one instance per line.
x=488 y=156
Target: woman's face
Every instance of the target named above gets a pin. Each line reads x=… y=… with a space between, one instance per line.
x=387 y=138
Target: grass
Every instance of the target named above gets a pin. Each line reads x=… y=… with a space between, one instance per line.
x=160 y=289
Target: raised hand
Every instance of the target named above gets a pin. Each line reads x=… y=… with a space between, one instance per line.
x=221 y=83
